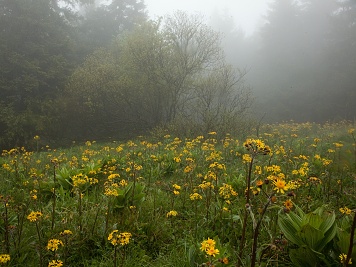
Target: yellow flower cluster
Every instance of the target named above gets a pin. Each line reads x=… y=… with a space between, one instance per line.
x=257 y=146
x=176 y=189
x=79 y=180
x=116 y=238
x=343 y=258
x=4 y=258
x=34 y=216
x=66 y=233
x=195 y=196
x=226 y=191
x=206 y=185
x=53 y=244
x=345 y=210
x=55 y=263
x=172 y=213
x=208 y=246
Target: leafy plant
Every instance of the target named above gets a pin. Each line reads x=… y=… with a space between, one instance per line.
x=310 y=233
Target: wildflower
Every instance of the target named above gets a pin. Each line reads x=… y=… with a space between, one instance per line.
x=212 y=251
x=80 y=179
x=257 y=146
x=123 y=183
x=206 y=185
x=195 y=196
x=345 y=210
x=177 y=187
x=259 y=183
x=53 y=244
x=343 y=258
x=66 y=232
x=225 y=260
x=208 y=246
x=172 y=213
x=113 y=176
x=34 y=216
x=280 y=185
x=246 y=158
x=188 y=169
x=55 y=263
x=288 y=204
x=4 y=258
x=338 y=145
x=116 y=238
x=258 y=170
x=226 y=191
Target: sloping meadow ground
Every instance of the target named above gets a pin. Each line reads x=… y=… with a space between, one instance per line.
x=285 y=198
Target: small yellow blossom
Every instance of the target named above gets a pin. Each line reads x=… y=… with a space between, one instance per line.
x=172 y=213
x=55 y=263
x=195 y=196
x=280 y=186
x=34 y=216
x=343 y=258
x=4 y=258
x=345 y=210
x=177 y=187
x=116 y=238
x=66 y=232
x=53 y=244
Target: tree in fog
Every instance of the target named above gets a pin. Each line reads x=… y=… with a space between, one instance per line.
x=102 y=21
x=164 y=71
x=36 y=57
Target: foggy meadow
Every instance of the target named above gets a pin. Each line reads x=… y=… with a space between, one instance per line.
x=181 y=140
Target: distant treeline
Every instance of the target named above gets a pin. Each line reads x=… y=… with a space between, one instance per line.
x=80 y=70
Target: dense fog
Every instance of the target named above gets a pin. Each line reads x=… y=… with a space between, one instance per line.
x=81 y=69
x=301 y=60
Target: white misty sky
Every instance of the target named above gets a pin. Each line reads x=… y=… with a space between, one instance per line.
x=246 y=13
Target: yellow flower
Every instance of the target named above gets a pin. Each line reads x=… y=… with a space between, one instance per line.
x=55 y=263
x=345 y=210
x=288 y=204
x=212 y=251
x=246 y=158
x=280 y=185
x=343 y=258
x=53 y=244
x=195 y=196
x=116 y=238
x=4 y=258
x=177 y=187
x=34 y=216
x=206 y=244
x=66 y=232
x=123 y=183
x=172 y=213
x=259 y=183
x=113 y=176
